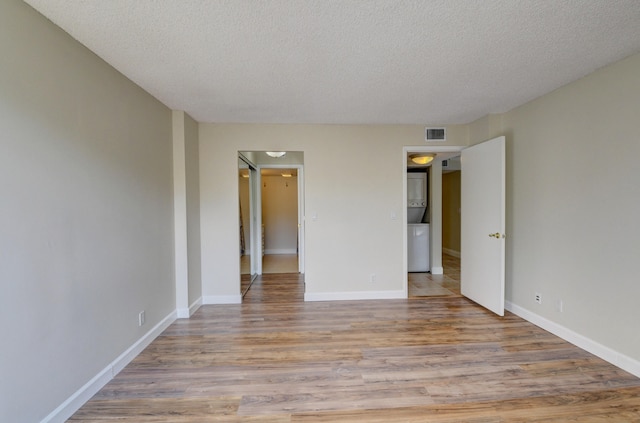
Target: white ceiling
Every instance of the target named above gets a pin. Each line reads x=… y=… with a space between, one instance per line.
x=350 y=61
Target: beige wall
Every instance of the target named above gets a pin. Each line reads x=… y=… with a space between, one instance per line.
x=86 y=239
x=280 y=214
x=192 y=173
x=486 y=128
x=573 y=201
x=186 y=213
x=451 y=211
x=353 y=183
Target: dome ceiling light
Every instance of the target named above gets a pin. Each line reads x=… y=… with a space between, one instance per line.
x=276 y=154
x=422 y=158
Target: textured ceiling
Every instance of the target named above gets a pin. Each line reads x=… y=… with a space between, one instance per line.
x=350 y=61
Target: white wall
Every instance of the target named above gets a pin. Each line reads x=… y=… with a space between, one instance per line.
x=85 y=214
x=353 y=182
x=573 y=202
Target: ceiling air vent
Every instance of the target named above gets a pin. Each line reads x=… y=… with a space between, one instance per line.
x=435 y=134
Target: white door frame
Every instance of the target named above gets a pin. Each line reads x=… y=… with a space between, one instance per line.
x=300 y=181
x=254 y=175
x=301 y=223
x=405 y=151
x=254 y=184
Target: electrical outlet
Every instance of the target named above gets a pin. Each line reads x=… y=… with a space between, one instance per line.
x=538 y=298
x=141 y=318
x=372 y=278
x=560 y=306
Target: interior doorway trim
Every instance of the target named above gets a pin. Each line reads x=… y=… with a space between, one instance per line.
x=253 y=188
x=405 y=151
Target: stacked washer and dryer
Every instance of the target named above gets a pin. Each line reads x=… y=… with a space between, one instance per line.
x=417 y=230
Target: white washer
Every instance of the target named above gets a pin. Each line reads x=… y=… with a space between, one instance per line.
x=418 y=247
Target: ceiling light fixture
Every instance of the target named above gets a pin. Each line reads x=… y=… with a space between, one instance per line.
x=276 y=154
x=287 y=175
x=422 y=158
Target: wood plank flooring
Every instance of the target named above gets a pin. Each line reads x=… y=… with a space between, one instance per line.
x=271 y=263
x=275 y=358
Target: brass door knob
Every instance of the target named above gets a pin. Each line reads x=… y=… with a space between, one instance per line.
x=496 y=235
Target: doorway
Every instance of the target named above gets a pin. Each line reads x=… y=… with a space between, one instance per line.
x=442 y=277
x=483 y=181
x=246 y=207
x=451 y=206
x=277 y=217
x=422 y=283
x=279 y=205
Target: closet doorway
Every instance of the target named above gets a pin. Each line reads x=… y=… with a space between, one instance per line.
x=277 y=233
x=279 y=201
x=247 y=196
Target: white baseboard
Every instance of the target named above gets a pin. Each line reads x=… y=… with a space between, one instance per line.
x=358 y=295
x=222 y=299
x=185 y=313
x=84 y=394
x=281 y=251
x=195 y=306
x=451 y=252
x=437 y=270
x=614 y=357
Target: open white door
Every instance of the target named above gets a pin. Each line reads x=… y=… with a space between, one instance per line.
x=483 y=224
x=301 y=226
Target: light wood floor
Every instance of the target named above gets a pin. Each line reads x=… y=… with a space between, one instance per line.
x=280 y=263
x=275 y=358
x=428 y=285
x=272 y=263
